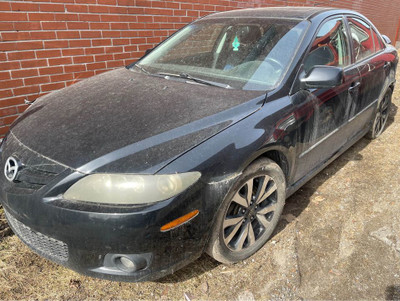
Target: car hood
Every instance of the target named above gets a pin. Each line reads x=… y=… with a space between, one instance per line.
x=125 y=121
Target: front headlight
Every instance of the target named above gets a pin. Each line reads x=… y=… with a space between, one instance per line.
x=129 y=189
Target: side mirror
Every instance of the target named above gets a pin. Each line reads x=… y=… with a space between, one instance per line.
x=386 y=39
x=322 y=77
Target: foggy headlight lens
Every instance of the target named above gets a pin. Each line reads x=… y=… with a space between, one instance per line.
x=129 y=189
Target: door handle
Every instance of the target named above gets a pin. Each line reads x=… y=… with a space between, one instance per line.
x=354 y=86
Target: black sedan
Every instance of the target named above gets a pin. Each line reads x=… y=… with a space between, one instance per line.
x=134 y=173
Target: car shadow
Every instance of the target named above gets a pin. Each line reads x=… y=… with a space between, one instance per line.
x=392 y=292
x=295 y=205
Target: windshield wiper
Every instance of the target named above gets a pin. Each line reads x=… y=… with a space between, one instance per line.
x=197 y=80
x=142 y=69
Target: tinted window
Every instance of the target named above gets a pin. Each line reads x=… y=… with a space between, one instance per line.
x=377 y=41
x=363 y=44
x=330 y=47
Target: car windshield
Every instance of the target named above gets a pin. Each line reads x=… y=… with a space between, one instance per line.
x=240 y=53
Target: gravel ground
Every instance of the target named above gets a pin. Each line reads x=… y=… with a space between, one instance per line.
x=339 y=238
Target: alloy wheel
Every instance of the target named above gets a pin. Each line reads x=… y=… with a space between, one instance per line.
x=382 y=115
x=250 y=213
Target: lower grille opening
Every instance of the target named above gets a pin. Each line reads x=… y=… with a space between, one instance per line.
x=45 y=246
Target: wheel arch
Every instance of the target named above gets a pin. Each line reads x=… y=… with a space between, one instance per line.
x=279 y=154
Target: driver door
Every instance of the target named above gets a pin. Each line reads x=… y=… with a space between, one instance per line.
x=327 y=110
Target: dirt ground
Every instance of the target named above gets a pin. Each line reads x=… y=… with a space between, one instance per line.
x=339 y=238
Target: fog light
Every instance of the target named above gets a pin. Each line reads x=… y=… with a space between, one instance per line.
x=129 y=264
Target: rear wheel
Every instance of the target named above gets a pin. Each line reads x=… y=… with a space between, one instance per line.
x=381 y=116
x=249 y=213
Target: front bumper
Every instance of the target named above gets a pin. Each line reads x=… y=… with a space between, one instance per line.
x=86 y=241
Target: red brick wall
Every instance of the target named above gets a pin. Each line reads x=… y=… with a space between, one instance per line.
x=46 y=45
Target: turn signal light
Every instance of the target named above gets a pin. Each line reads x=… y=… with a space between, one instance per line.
x=179 y=221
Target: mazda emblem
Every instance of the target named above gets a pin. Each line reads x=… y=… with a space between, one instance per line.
x=11 y=168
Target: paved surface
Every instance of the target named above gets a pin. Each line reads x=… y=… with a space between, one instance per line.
x=339 y=238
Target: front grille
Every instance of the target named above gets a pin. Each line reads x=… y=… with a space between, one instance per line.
x=45 y=246
x=36 y=170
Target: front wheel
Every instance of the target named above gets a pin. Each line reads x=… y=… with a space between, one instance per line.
x=249 y=214
x=381 y=116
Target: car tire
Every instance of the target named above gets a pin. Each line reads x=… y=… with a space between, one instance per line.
x=249 y=214
x=381 y=116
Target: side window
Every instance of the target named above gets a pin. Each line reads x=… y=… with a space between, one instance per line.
x=377 y=41
x=330 y=47
x=363 y=44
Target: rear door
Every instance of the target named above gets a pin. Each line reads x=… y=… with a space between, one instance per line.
x=367 y=54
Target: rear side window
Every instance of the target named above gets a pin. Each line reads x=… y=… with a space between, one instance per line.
x=330 y=47
x=377 y=41
x=363 y=43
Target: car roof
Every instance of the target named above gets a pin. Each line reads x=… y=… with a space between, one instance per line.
x=286 y=12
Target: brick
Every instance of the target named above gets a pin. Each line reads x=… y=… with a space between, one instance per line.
x=78 y=25
x=51 y=7
x=98 y=9
x=5 y=6
x=96 y=72
x=80 y=43
x=24 y=73
x=60 y=61
x=90 y=34
x=54 y=25
x=56 y=44
x=27 y=26
x=103 y=57
x=113 y=49
x=51 y=87
x=23 y=45
x=95 y=50
x=83 y=59
x=26 y=90
x=5 y=75
x=5 y=93
x=120 y=41
x=34 y=63
x=72 y=51
x=13 y=101
x=21 y=55
x=13 y=16
x=66 y=17
x=48 y=53
x=68 y=35
x=61 y=77
x=50 y=70
x=8 y=111
x=10 y=119
x=41 y=16
x=107 y=2
x=36 y=80
x=102 y=42
x=15 y=36
x=99 y=25
x=89 y=18
x=74 y=68
x=6 y=26
x=95 y=66
x=79 y=8
x=22 y=108
x=43 y=35
x=25 y=7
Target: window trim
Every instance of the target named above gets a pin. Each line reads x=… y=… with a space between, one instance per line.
x=354 y=62
x=338 y=16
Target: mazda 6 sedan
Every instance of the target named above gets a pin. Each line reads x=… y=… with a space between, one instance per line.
x=134 y=173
